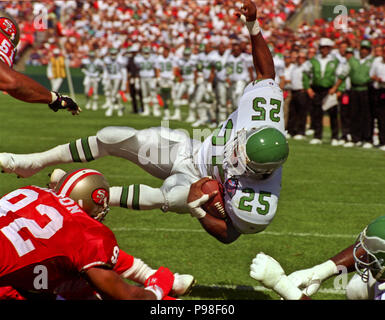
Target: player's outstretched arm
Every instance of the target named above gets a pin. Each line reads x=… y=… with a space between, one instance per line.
x=111 y=286
x=262 y=58
x=26 y=89
x=310 y=280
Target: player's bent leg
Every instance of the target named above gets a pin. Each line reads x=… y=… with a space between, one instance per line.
x=26 y=165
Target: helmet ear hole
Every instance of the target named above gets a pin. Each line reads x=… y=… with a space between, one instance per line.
x=88 y=188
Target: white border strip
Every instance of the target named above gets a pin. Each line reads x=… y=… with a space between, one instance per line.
x=263 y=289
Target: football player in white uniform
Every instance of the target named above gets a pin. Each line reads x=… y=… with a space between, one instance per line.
x=146 y=63
x=245 y=155
x=204 y=94
x=92 y=67
x=114 y=80
x=239 y=73
x=220 y=58
x=165 y=68
x=187 y=77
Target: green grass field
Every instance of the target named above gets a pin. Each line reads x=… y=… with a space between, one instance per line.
x=328 y=195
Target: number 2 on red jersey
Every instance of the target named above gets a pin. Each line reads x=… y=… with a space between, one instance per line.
x=11 y=231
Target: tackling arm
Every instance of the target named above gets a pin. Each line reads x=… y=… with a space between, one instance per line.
x=26 y=89
x=22 y=87
x=112 y=286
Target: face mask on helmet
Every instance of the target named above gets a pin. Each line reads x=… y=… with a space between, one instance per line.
x=89 y=189
x=9 y=38
x=257 y=152
x=373 y=260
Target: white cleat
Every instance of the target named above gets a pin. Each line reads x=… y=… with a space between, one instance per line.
x=190 y=119
x=183 y=284
x=334 y=143
x=55 y=177
x=198 y=123
x=367 y=145
x=299 y=137
x=109 y=112
x=19 y=164
x=315 y=141
x=348 y=144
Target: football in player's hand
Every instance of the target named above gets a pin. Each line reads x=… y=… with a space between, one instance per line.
x=216 y=205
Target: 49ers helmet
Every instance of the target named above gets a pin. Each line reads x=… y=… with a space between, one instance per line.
x=89 y=188
x=9 y=37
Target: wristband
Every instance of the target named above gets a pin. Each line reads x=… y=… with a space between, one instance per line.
x=287 y=290
x=156 y=290
x=252 y=26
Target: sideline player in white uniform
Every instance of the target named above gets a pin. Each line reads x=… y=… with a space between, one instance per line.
x=187 y=77
x=92 y=67
x=220 y=58
x=165 y=68
x=239 y=73
x=146 y=63
x=246 y=155
x=114 y=79
x=204 y=94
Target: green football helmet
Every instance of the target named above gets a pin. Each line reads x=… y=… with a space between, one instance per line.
x=372 y=241
x=257 y=152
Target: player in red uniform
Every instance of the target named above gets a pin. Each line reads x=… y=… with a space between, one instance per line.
x=48 y=241
x=18 y=85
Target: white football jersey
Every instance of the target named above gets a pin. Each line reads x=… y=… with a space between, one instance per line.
x=220 y=64
x=92 y=68
x=238 y=68
x=166 y=66
x=146 y=66
x=205 y=62
x=250 y=203
x=112 y=68
x=187 y=67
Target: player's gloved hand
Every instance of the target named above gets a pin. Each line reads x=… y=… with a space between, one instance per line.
x=248 y=15
x=63 y=102
x=309 y=280
x=270 y=273
x=160 y=283
x=196 y=198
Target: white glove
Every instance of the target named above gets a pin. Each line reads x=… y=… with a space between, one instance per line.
x=270 y=273
x=309 y=280
x=209 y=87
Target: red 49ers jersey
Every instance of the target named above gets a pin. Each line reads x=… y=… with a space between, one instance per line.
x=47 y=239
